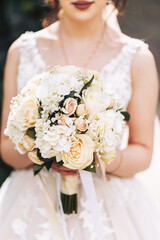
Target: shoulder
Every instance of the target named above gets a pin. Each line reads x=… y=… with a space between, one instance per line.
x=46 y=34
x=143 y=64
x=14 y=50
x=143 y=58
x=143 y=68
x=40 y=36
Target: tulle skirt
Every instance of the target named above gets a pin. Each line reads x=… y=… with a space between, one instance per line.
x=127 y=210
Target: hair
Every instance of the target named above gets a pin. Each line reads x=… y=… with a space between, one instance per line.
x=54 y=4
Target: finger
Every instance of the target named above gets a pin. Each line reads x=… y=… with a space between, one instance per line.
x=57 y=166
x=64 y=172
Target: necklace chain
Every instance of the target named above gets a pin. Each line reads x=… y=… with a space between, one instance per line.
x=93 y=53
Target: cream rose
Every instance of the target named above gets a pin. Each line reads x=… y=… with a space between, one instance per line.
x=33 y=157
x=82 y=110
x=27 y=113
x=81 y=124
x=31 y=87
x=70 y=105
x=81 y=151
x=108 y=157
x=95 y=100
x=20 y=148
x=28 y=143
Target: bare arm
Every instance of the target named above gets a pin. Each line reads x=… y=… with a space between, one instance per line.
x=8 y=153
x=142 y=108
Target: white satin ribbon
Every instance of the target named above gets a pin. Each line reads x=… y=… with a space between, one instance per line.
x=88 y=185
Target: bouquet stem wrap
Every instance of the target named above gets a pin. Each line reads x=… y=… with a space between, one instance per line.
x=69 y=191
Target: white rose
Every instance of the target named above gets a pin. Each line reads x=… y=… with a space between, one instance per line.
x=95 y=100
x=31 y=87
x=27 y=114
x=81 y=151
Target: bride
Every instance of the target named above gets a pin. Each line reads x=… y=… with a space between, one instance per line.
x=29 y=206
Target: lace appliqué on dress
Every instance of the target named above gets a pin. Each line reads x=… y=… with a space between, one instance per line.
x=30 y=206
x=31 y=62
x=85 y=215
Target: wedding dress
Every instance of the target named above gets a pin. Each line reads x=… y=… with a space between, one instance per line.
x=126 y=210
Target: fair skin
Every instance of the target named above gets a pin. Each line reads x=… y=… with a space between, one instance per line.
x=80 y=31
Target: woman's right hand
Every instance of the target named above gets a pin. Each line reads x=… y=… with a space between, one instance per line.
x=63 y=170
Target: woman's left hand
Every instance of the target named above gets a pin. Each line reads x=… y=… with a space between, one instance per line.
x=63 y=170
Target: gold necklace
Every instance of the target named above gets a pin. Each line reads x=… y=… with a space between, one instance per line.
x=93 y=53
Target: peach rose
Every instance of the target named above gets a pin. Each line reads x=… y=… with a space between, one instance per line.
x=81 y=124
x=62 y=120
x=81 y=151
x=82 y=110
x=33 y=157
x=28 y=143
x=70 y=105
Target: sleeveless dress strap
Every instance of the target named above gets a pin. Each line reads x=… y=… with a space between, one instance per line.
x=132 y=47
x=30 y=62
x=124 y=58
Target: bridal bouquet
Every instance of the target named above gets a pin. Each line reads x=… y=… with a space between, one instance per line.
x=63 y=115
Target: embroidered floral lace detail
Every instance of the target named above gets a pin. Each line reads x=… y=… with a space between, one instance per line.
x=31 y=62
x=19 y=227
x=85 y=215
x=30 y=207
x=125 y=191
x=117 y=74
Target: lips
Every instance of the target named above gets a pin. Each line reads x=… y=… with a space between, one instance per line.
x=82 y=5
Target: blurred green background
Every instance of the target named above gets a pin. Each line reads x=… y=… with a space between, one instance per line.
x=141 y=19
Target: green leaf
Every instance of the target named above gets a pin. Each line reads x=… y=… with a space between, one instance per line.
x=52 y=115
x=48 y=165
x=60 y=163
x=31 y=133
x=92 y=166
x=86 y=85
x=126 y=116
x=119 y=110
x=37 y=168
x=40 y=109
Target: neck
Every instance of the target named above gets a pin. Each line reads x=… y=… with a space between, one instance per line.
x=82 y=30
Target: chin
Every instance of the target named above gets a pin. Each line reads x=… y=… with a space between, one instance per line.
x=83 y=15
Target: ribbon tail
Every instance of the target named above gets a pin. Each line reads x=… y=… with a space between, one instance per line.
x=64 y=225
x=88 y=185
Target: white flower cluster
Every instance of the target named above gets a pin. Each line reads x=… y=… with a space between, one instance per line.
x=106 y=130
x=70 y=115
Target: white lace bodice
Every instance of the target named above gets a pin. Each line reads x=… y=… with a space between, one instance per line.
x=116 y=75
